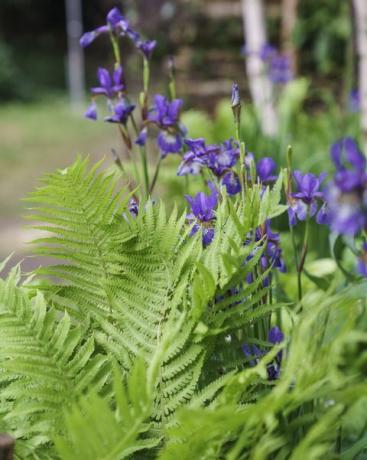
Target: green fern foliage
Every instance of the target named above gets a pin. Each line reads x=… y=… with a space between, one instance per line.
x=128 y=344
x=132 y=276
x=302 y=415
x=95 y=430
x=46 y=362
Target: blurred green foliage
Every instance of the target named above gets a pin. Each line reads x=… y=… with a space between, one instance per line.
x=322 y=34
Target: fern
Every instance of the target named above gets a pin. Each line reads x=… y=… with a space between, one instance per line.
x=141 y=273
x=45 y=363
x=301 y=416
x=94 y=430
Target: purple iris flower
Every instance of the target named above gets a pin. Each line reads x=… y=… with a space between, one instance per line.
x=350 y=164
x=122 y=111
x=273 y=252
x=169 y=142
x=272 y=255
x=345 y=152
x=142 y=137
x=304 y=201
x=254 y=353
x=203 y=213
x=91 y=112
x=133 y=207
x=165 y=115
x=115 y=22
x=194 y=159
x=265 y=170
x=222 y=158
x=109 y=86
x=146 y=47
x=232 y=183
x=347 y=194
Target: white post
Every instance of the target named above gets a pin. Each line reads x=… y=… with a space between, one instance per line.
x=360 y=11
x=74 y=30
x=260 y=86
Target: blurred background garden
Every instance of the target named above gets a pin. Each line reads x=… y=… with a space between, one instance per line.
x=317 y=101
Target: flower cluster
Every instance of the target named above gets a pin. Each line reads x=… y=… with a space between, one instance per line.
x=164 y=114
x=218 y=159
x=254 y=353
x=118 y=26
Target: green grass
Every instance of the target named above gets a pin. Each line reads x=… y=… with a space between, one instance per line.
x=38 y=138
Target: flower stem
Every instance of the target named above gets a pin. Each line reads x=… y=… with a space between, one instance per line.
x=156 y=174
x=302 y=260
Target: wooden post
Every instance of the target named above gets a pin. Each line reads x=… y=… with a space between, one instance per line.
x=360 y=10
x=289 y=21
x=261 y=87
x=6 y=447
x=75 y=53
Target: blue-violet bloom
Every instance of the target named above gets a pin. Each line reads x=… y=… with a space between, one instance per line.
x=254 y=353
x=122 y=111
x=203 y=213
x=91 y=112
x=109 y=86
x=265 y=169
x=304 y=202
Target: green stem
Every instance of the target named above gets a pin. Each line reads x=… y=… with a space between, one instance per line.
x=144 y=163
x=116 y=48
x=146 y=75
x=302 y=260
x=156 y=174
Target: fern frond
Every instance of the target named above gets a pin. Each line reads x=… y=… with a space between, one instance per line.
x=45 y=362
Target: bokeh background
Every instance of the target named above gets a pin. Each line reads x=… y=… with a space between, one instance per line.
x=40 y=130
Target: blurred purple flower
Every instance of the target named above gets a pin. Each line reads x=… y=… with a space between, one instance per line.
x=347 y=194
x=146 y=47
x=265 y=170
x=115 y=22
x=91 y=112
x=232 y=183
x=267 y=52
x=142 y=137
x=109 y=87
x=280 y=71
x=122 y=111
